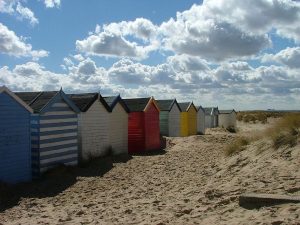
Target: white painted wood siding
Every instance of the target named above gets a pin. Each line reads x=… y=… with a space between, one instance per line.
x=227 y=120
x=209 y=121
x=201 y=122
x=94 y=132
x=174 y=122
x=118 y=129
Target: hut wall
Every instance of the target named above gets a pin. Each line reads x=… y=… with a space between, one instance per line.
x=208 y=121
x=136 y=132
x=118 y=128
x=184 y=124
x=164 y=123
x=54 y=137
x=15 y=152
x=200 y=122
x=227 y=120
x=174 y=122
x=151 y=120
x=94 y=132
x=192 y=117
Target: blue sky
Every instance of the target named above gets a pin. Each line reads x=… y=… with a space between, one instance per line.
x=230 y=53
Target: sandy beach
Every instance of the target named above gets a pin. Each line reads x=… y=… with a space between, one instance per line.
x=191 y=182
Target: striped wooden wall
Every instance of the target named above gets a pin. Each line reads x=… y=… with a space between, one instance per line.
x=54 y=138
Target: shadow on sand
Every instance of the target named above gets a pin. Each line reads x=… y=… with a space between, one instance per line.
x=56 y=181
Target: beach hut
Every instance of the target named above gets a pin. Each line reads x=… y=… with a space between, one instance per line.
x=169 y=117
x=15 y=146
x=93 y=125
x=54 y=129
x=200 y=120
x=143 y=125
x=118 y=124
x=188 y=118
x=227 y=118
x=211 y=117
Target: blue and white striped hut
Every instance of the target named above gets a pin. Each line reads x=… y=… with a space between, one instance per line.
x=54 y=129
x=15 y=152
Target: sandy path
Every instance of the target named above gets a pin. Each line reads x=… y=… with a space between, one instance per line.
x=192 y=183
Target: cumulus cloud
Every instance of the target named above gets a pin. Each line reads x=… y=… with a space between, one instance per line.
x=52 y=3
x=109 y=44
x=230 y=29
x=231 y=82
x=13 y=45
x=113 y=40
x=26 y=13
x=289 y=57
x=188 y=63
x=14 y=7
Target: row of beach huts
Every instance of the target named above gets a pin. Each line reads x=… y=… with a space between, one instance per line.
x=41 y=130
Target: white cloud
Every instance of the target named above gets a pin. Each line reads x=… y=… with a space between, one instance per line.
x=26 y=13
x=113 y=40
x=14 y=7
x=52 y=3
x=186 y=63
x=289 y=57
x=227 y=85
x=13 y=45
x=113 y=45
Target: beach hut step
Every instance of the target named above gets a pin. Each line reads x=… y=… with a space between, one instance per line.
x=253 y=200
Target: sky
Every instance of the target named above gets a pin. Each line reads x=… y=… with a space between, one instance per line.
x=226 y=53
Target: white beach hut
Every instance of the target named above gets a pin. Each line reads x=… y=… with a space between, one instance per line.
x=118 y=125
x=200 y=120
x=211 y=117
x=227 y=118
x=93 y=125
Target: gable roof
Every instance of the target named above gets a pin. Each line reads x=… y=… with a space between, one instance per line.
x=15 y=97
x=211 y=110
x=113 y=100
x=85 y=100
x=140 y=104
x=137 y=104
x=39 y=101
x=226 y=111
x=167 y=105
x=200 y=108
x=185 y=106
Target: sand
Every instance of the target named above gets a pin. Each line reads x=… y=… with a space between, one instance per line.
x=191 y=182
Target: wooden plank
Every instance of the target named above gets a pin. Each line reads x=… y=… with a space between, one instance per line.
x=253 y=200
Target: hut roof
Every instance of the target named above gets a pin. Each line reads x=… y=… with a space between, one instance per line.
x=85 y=100
x=185 y=106
x=166 y=105
x=113 y=100
x=38 y=101
x=137 y=104
x=210 y=110
x=200 y=108
x=14 y=96
x=226 y=111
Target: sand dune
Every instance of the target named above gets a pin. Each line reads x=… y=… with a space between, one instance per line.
x=192 y=182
